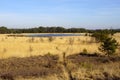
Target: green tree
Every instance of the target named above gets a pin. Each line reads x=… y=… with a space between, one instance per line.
x=108 y=46
x=3 y=30
x=101 y=35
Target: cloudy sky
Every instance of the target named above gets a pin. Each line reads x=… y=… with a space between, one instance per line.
x=90 y=14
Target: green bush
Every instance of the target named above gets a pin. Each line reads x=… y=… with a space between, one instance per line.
x=101 y=35
x=108 y=46
x=84 y=52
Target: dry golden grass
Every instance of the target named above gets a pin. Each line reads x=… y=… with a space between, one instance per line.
x=117 y=37
x=26 y=46
x=94 y=68
x=48 y=67
x=23 y=47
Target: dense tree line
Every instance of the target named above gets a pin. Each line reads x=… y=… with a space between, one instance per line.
x=42 y=29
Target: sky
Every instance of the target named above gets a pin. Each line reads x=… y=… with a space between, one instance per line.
x=90 y=14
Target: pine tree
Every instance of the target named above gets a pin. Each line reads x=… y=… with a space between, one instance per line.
x=108 y=46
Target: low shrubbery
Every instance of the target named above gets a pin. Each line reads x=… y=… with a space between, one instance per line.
x=44 y=66
x=108 y=43
x=32 y=66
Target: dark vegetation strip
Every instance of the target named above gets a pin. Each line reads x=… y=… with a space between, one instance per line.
x=41 y=66
x=38 y=66
x=41 y=29
x=91 y=63
x=93 y=59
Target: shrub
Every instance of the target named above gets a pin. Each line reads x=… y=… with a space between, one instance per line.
x=30 y=49
x=2 y=39
x=31 y=39
x=101 y=35
x=86 y=34
x=50 y=39
x=108 y=46
x=7 y=77
x=41 y=39
x=84 y=51
x=71 y=41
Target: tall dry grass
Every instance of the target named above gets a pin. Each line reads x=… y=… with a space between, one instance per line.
x=30 y=46
x=26 y=46
x=94 y=68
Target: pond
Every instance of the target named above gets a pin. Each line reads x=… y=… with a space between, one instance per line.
x=54 y=34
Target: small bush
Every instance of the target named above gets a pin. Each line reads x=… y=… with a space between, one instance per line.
x=71 y=41
x=50 y=39
x=31 y=40
x=101 y=35
x=2 y=39
x=30 y=49
x=86 y=34
x=86 y=65
x=109 y=46
x=57 y=48
x=7 y=77
x=84 y=52
x=41 y=39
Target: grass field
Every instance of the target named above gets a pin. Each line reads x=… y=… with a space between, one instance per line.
x=27 y=58
x=14 y=46
x=28 y=46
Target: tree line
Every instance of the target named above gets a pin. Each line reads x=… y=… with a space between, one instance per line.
x=41 y=29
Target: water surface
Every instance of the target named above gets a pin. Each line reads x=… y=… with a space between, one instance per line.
x=53 y=34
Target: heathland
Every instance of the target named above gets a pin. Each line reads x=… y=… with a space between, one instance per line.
x=56 y=58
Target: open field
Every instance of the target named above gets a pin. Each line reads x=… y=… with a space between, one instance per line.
x=56 y=58
x=28 y=46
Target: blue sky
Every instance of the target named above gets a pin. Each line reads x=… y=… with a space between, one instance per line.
x=90 y=14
